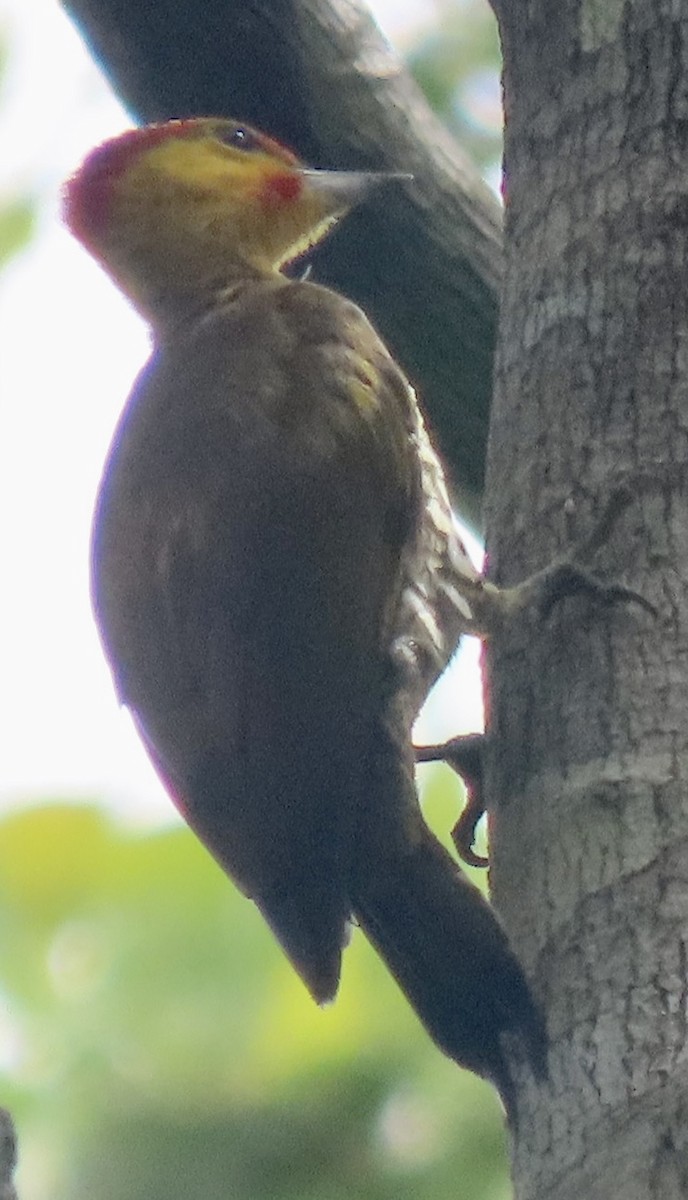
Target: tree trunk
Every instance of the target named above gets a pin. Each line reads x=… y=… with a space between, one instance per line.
x=590 y=709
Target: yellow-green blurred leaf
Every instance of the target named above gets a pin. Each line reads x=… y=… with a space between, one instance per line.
x=149 y=1022
x=17 y=222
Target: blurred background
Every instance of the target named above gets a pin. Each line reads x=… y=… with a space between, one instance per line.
x=153 y=1043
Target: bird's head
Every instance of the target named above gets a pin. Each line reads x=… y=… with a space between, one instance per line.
x=178 y=211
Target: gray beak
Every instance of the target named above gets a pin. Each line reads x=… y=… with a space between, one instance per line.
x=346 y=188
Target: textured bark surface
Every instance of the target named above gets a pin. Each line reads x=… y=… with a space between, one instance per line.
x=590 y=833
x=424 y=262
x=8 y=1156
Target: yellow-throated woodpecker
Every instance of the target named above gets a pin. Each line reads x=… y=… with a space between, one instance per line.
x=277 y=575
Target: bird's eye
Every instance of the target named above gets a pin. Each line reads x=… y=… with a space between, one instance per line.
x=240 y=138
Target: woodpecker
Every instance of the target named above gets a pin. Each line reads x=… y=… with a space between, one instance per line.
x=278 y=578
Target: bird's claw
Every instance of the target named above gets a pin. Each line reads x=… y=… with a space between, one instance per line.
x=562 y=580
x=464 y=755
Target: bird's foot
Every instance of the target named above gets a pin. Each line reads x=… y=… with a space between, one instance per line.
x=547 y=588
x=564 y=577
x=465 y=755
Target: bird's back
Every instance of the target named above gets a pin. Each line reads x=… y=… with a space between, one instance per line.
x=247 y=563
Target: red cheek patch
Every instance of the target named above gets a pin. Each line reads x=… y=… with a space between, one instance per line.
x=281 y=189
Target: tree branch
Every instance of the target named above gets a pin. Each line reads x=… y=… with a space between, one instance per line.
x=424 y=262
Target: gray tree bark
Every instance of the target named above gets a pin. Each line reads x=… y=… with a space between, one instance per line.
x=8 y=1156
x=590 y=713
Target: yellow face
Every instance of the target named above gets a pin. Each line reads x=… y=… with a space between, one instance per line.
x=177 y=211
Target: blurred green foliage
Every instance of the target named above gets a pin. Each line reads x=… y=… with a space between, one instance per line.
x=457 y=65
x=154 y=1043
x=17 y=222
x=17 y=213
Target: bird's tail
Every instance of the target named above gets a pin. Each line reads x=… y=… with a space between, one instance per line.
x=449 y=954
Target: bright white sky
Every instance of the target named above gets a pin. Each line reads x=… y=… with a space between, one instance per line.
x=71 y=347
